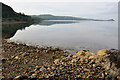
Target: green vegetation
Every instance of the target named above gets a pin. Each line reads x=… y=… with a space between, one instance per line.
x=8 y=15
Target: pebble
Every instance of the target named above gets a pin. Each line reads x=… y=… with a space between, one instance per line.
x=33 y=75
x=16 y=57
x=91 y=57
x=25 y=54
x=17 y=77
x=56 y=61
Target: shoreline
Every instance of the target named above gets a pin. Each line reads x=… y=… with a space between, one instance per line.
x=13 y=22
x=20 y=61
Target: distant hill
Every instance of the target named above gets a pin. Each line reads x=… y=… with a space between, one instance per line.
x=8 y=14
x=52 y=17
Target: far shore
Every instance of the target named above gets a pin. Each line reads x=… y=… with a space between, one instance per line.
x=13 y=22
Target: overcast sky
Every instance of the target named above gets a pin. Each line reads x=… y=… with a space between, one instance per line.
x=98 y=9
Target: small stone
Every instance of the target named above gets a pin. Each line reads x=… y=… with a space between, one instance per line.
x=54 y=74
x=25 y=54
x=73 y=60
x=20 y=53
x=40 y=77
x=103 y=75
x=29 y=51
x=57 y=52
x=4 y=59
x=12 y=57
x=3 y=77
x=118 y=77
x=78 y=76
x=47 y=76
x=17 y=77
x=94 y=65
x=53 y=67
x=84 y=76
x=56 y=61
x=42 y=68
x=86 y=70
x=91 y=57
x=16 y=57
x=37 y=66
x=33 y=75
x=81 y=59
x=20 y=77
x=48 y=68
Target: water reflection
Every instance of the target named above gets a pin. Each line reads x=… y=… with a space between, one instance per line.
x=8 y=30
x=52 y=22
x=92 y=35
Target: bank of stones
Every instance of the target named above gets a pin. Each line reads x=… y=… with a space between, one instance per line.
x=29 y=62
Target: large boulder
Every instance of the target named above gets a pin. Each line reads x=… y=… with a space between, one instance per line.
x=103 y=52
x=112 y=62
x=83 y=54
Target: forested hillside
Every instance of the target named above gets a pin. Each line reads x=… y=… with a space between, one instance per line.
x=8 y=14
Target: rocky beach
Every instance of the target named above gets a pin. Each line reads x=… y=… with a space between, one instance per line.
x=59 y=30
x=20 y=61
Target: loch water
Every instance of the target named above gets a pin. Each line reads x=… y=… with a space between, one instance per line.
x=70 y=35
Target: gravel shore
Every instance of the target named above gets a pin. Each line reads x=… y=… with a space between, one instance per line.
x=20 y=61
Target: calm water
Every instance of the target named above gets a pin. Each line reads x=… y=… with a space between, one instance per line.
x=92 y=35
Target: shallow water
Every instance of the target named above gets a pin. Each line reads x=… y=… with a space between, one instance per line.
x=91 y=35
